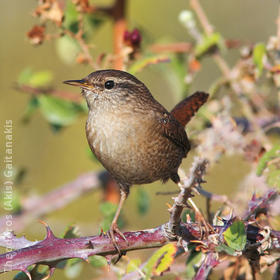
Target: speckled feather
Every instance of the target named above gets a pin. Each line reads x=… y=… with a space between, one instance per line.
x=135 y=138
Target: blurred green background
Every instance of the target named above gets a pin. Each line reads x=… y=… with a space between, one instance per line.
x=54 y=159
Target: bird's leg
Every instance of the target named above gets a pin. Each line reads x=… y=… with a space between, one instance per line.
x=114 y=226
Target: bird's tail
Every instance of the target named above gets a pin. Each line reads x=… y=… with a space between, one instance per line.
x=186 y=109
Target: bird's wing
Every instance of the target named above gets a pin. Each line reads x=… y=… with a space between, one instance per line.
x=175 y=132
x=185 y=109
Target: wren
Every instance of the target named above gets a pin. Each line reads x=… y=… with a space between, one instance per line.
x=134 y=137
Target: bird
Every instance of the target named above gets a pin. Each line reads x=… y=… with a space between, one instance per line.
x=134 y=137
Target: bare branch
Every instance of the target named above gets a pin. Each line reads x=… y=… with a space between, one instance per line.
x=119 y=28
x=180 y=202
x=69 y=96
x=226 y=71
x=36 y=207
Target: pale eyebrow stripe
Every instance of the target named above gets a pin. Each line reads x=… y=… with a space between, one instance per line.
x=132 y=82
x=120 y=82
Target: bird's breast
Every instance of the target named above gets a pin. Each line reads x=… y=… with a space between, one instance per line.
x=131 y=147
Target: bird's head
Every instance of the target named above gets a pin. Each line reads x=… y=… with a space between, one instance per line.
x=110 y=87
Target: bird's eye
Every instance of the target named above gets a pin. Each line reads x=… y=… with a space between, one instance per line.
x=109 y=84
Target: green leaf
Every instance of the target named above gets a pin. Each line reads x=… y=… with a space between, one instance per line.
x=273 y=176
x=90 y=154
x=73 y=268
x=35 y=79
x=160 y=260
x=57 y=111
x=226 y=249
x=93 y=21
x=37 y=271
x=31 y=107
x=20 y=175
x=146 y=61
x=192 y=262
x=97 y=261
x=55 y=128
x=71 y=232
x=71 y=17
x=176 y=76
x=133 y=265
x=41 y=78
x=143 y=201
x=25 y=76
x=11 y=201
x=235 y=236
x=208 y=42
x=108 y=210
x=81 y=107
x=67 y=49
x=20 y=276
x=273 y=153
x=258 y=55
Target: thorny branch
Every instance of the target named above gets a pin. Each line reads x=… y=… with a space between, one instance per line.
x=51 y=250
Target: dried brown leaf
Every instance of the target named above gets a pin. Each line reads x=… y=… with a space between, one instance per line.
x=37 y=34
x=49 y=10
x=83 y=6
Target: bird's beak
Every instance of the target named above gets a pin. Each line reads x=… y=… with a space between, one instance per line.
x=78 y=83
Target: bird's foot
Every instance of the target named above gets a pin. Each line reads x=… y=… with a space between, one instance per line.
x=114 y=229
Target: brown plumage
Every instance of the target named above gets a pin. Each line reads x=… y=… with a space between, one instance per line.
x=135 y=138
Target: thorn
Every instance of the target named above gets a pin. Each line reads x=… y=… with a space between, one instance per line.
x=27 y=274
x=198 y=241
x=101 y=232
x=90 y=245
x=109 y=261
x=196 y=191
x=168 y=205
x=49 y=231
x=43 y=223
x=52 y=269
x=119 y=257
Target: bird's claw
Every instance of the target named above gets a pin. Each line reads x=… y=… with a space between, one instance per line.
x=114 y=229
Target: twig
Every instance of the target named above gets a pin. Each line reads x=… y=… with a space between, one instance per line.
x=257 y=203
x=225 y=69
x=276 y=274
x=215 y=197
x=76 y=98
x=180 y=47
x=33 y=208
x=118 y=14
x=202 y=17
x=183 y=47
x=85 y=48
x=278 y=37
x=278 y=26
x=180 y=202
